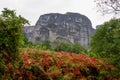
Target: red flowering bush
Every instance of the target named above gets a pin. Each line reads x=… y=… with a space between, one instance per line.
x=33 y=64
x=46 y=65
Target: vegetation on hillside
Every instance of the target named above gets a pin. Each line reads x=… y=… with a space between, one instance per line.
x=106 y=41
x=22 y=60
x=58 y=45
x=10 y=37
x=36 y=64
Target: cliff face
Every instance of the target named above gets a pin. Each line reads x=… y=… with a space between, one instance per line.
x=72 y=27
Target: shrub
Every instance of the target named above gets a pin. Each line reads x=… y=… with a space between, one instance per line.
x=63 y=46
x=77 y=48
x=44 y=65
x=106 y=41
x=10 y=39
x=10 y=32
x=67 y=47
x=46 y=45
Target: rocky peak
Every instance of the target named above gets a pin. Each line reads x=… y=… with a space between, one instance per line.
x=72 y=27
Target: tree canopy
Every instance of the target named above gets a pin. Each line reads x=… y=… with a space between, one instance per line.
x=106 y=40
x=10 y=32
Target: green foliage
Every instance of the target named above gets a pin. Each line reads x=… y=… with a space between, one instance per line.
x=67 y=47
x=10 y=39
x=106 y=41
x=58 y=45
x=63 y=46
x=26 y=42
x=92 y=54
x=46 y=45
x=10 y=32
x=77 y=48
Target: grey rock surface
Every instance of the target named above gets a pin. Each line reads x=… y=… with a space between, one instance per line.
x=71 y=27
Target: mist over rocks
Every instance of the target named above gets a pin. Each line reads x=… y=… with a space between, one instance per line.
x=71 y=27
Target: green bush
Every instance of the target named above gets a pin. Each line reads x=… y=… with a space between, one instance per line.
x=67 y=47
x=46 y=45
x=77 y=48
x=26 y=42
x=10 y=32
x=106 y=41
x=10 y=39
x=63 y=46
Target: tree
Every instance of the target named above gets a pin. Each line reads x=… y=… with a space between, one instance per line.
x=68 y=47
x=10 y=33
x=108 y=6
x=106 y=41
x=62 y=45
x=77 y=48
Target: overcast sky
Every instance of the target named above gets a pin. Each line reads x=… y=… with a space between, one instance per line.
x=32 y=9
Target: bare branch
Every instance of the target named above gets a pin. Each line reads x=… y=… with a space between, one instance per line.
x=108 y=6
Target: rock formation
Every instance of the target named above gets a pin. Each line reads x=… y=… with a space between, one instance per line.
x=71 y=27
